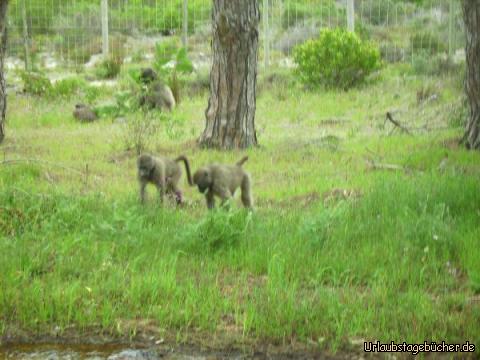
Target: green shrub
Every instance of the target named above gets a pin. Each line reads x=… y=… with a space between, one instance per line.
x=92 y=93
x=68 y=87
x=169 y=51
x=109 y=68
x=139 y=131
x=338 y=58
x=36 y=83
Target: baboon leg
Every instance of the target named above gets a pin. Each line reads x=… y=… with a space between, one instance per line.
x=246 y=186
x=225 y=195
x=143 y=184
x=161 y=184
x=175 y=192
x=210 y=199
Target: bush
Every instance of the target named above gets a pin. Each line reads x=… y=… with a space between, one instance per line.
x=140 y=130
x=338 y=58
x=168 y=52
x=36 y=83
x=109 y=68
x=68 y=87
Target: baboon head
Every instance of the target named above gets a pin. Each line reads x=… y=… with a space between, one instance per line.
x=148 y=75
x=203 y=179
x=80 y=106
x=145 y=164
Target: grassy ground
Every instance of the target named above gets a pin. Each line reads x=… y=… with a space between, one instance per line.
x=336 y=251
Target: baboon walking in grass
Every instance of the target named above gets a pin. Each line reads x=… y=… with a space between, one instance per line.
x=222 y=181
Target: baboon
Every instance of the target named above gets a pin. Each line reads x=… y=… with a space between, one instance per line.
x=84 y=113
x=168 y=32
x=162 y=172
x=158 y=95
x=148 y=75
x=222 y=181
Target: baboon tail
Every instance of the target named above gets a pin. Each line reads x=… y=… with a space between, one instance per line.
x=187 y=168
x=242 y=161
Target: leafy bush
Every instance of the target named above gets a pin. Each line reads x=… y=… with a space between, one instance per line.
x=338 y=58
x=92 y=93
x=167 y=53
x=109 y=68
x=36 y=83
x=139 y=131
x=68 y=87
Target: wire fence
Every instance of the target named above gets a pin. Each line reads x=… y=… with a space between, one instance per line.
x=48 y=34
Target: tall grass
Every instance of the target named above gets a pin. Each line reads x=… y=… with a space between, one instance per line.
x=399 y=264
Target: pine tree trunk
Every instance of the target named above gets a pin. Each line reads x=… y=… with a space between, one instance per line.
x=230 y=115
x=3 y=48
x=471 y=15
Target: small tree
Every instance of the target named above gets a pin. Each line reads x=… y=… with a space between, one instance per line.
x=3 y=48
x=231 y=108
x=471 y=16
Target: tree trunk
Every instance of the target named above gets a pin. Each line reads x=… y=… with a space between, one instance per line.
x=3 y=48
x=471 y=15
x=230 y=115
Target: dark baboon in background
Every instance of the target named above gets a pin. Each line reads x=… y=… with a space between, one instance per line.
x=84 y=113
x=158 y=95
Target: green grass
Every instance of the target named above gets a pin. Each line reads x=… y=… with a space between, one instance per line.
x=399 y=261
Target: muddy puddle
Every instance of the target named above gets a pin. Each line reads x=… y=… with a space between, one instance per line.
x=99 y=352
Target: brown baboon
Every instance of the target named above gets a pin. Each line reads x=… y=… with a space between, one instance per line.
x=162 y=172
x=222 y=181
x=158 y=95
x=84 y=113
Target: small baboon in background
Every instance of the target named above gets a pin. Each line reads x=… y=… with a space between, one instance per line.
x=162 y=172
x=84 y=113
x=148 y=75
x=222 y=181
x=158 y=95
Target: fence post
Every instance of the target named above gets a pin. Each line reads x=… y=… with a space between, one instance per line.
x=185 y=24
x=351 y=15
x=266 y=45
x=26 y=40
x=104 y=11
x=450 y=27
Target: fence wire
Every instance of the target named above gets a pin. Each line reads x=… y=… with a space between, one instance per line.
x=68 y=33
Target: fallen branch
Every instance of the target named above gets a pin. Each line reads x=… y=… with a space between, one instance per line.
x=397 y=124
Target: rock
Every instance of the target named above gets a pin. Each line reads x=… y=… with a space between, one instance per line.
x=134 y=355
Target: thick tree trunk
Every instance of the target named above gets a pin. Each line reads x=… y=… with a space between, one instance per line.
x=471 y=15
x=3 y=48
x=231 y=108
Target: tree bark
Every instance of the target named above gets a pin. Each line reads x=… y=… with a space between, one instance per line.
x=3 y=48
x=471 y=15
x=230 y=115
